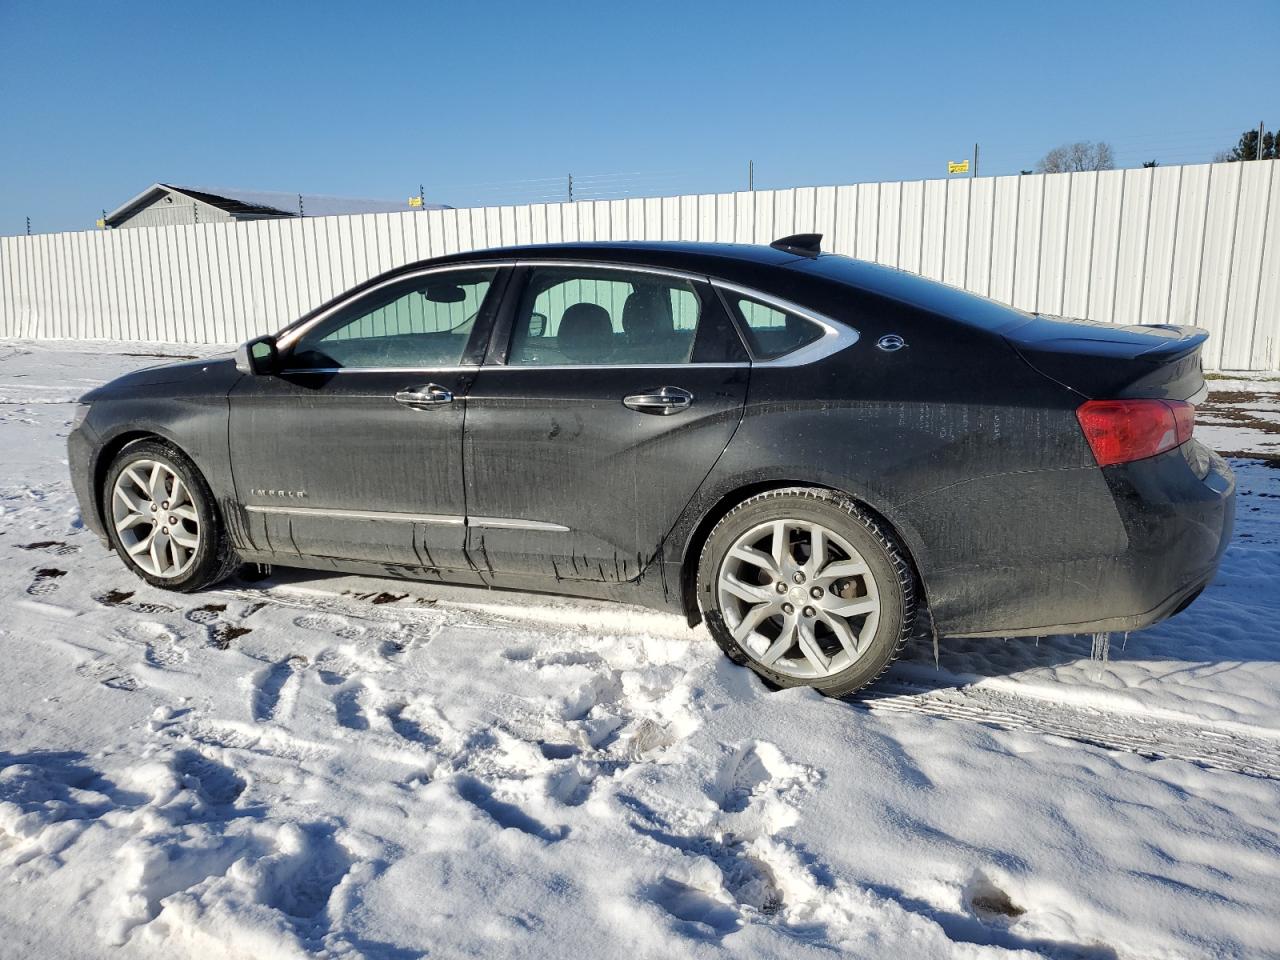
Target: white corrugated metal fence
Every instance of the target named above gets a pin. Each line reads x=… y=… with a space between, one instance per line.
x=1189 y=244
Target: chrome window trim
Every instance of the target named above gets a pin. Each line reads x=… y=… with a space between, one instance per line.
x=739 y=364
x=292 y=336
x=836 y=336
x=457 y=368
x=1200 y=396
x=616 y=366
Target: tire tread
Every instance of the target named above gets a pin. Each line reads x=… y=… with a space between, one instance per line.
x=224 y=559
x=895 y=553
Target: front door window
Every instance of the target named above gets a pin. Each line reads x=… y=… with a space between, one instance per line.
x=419 y=322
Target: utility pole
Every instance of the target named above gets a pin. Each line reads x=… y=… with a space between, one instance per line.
x=28 y=226
x=571 y=188
x=300 y=212
x=974 y=169
x=1258 y=152
x=751 y=176
x=422 y=196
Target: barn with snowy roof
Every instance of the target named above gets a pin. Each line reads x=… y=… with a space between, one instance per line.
x=164 y=204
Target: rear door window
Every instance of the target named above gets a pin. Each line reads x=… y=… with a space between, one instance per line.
x=586 y=316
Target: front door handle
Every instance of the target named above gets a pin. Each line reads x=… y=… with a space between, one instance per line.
x=662 y=401
x=420 y=398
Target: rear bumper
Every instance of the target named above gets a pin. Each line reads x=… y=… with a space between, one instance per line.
x=1179 y=520
x=1159 y=536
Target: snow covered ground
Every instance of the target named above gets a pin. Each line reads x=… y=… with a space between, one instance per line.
x=349 y=767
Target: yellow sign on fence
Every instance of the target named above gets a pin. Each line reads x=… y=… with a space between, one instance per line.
x=957 y=166
x=415 y=201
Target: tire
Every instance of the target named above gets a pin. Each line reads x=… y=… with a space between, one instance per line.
x=197 y=554
x=861 y=578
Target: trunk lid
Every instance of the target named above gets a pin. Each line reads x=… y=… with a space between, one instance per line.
x=1107 y=361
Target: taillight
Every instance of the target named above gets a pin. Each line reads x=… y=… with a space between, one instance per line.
x=1120 y=431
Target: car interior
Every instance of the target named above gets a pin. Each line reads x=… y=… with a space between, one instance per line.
x=604 y=322
x=428 y=322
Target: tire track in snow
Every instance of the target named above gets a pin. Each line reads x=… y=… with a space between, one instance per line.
x=1204 y=744
x=1156 y=738
x=333 y=614
x=325 y=611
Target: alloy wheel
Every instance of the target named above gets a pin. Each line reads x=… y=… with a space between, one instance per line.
x=155 y=518
x=798 y=598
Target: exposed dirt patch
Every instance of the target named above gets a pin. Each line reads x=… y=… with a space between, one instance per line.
x=1244 y=418
x=990 y=902
x=46 y=581
x=221 y=634
x=1235 y=397
x=1270 y=459
x=381 y=596
x=1253 y=409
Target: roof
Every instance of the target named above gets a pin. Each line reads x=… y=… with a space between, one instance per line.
x=263 y=203
x=676 y=254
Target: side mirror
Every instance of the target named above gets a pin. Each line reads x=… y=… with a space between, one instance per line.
x=257 y=356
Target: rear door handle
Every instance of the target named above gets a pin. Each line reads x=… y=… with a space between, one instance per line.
x=662 y=401
x=420 y=398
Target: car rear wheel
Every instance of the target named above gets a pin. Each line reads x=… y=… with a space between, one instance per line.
x=161 y=518
x=807 y=589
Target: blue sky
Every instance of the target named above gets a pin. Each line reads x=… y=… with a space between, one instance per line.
x=498 y=102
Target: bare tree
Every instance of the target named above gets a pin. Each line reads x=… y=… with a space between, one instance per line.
x=1073 y=157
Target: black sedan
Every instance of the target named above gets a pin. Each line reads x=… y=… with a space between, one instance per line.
x=806 y=451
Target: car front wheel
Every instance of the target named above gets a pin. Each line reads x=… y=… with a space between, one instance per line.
x=161 y=518
x=807 y=589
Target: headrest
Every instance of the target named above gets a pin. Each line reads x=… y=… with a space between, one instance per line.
x=585 y=333
x=641 y=316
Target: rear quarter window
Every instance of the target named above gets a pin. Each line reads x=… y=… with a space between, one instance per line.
x=770 y=332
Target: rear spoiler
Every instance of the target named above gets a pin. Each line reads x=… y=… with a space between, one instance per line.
x=1106 y=361
x=1187 y=341
x=1095 y=338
